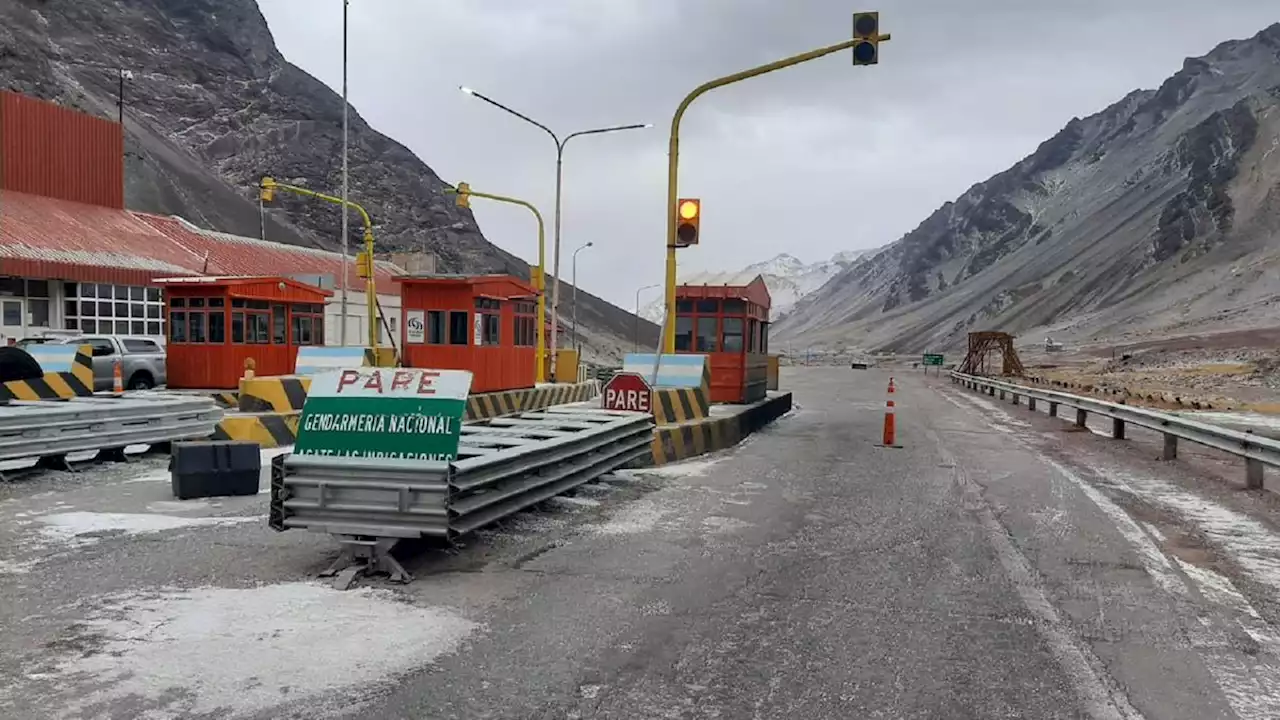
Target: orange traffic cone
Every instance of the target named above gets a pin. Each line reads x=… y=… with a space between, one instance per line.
x=117 y=380
x=890 y=424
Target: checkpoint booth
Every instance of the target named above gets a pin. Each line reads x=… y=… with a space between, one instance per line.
x=216 y=324
x=730 y=325
x=483 y=323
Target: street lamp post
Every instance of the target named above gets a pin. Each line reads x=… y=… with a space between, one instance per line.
x=342 y=286
x=636 y=342
x=577 y=343
x=560 y=144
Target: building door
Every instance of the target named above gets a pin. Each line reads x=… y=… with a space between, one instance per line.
x=12 y=313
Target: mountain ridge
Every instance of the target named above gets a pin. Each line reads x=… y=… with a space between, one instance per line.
x=211 y=106
x=1145 y=204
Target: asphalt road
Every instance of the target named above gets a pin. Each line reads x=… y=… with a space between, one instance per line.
x=994 y=566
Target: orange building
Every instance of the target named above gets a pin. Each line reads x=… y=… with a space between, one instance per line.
x=217 y=323
x=730 y=324
x=485 y=324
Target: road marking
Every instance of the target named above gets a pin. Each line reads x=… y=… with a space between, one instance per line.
x=1099 y=695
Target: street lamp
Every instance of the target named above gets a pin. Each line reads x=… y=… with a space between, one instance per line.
x=342 y=287
x=577 y=342
x=560 y=143
x=636 y=342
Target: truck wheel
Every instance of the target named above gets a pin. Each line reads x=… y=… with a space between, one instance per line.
x=141 y=381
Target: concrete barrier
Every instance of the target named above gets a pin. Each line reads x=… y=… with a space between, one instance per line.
x=725 y=428
x=68 y=373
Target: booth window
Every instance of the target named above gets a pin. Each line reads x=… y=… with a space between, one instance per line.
x=525 y=324
x=278 y=325
x=458 y=327
x=488 y=310
x=307 y=324
x=732 y=334
x=177 y=326
x=752 y=336
x=707 y=335
x=435 y=327
x=764 y=337
x=684 y=333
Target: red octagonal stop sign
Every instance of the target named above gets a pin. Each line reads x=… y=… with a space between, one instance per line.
x=628 y=391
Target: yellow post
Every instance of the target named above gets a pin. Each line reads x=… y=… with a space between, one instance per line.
x=539 y=278
x=673 y=162
x=268 y=188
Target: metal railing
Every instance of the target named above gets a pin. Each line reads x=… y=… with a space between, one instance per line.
x=55 y=428
x=1256 y=450
x=504 y=466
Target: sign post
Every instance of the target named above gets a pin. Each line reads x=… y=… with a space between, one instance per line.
x=934 y=360
x=628 y=391
x=376 y=413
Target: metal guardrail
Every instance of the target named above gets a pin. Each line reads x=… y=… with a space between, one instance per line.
x=1256 y=450
x=504 y=466
x=50 y=429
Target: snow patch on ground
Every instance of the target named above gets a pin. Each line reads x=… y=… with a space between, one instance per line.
x=1250 y=543
x=69 y=527
x=690 y=468
x=13 y=567
x=234 y=651
x=574 y=501
x=641 y=516
x=1153 y=559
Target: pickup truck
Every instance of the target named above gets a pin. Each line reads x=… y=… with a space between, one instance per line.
x=142 y=360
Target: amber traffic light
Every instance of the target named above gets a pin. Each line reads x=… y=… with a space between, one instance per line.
x=688 y=218
x=267 y=189
x=464 y=195
x=866 y=31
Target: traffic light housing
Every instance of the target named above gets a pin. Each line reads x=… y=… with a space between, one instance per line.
x=464 y=195
x=364 y=268
x=268 y=189
x=688 y=219
x=866 y=31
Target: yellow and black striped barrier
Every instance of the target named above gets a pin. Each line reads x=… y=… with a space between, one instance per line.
x=697 y=437
x=268 y=429
x=495 y=404
x=68 y=373
x=280 y=393
x=227 y=400
x=672 y=406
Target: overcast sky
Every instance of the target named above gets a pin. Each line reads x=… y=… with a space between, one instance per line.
x=811 y=160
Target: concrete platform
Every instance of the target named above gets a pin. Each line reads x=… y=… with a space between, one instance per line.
x=725 y=427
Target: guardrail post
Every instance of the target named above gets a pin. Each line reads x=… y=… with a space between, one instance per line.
x=1117 y=428
x=1001 y=394
x=1053 y=409
x=1082 y=418
x=1170 y=447
x=1253 y=474
x=1031 y=404
x=1016 y=399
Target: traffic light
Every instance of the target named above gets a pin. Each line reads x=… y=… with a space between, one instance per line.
x=464 y=195
x=364 y=268
x=268 y=192
x=688 y=218
x=866 y=30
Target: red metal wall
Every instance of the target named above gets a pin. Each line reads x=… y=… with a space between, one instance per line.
x=494 y=367
x=209 y=366
x=49 y=150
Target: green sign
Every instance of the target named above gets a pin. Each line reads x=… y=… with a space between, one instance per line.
x=384 y=413
x=930 y=359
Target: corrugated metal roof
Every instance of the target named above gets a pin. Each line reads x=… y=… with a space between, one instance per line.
x=732 y=279
x=236 y=255
x=37 y=228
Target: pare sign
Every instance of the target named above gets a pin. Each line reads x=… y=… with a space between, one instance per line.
x=628 y=391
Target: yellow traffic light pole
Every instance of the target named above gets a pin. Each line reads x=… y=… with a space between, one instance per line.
x=464 y=192
x=673 y=162
x=269 y=186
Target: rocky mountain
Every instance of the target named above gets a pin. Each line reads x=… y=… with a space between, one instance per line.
x=788 y=279
x=210 y=106
x=1159 y=214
